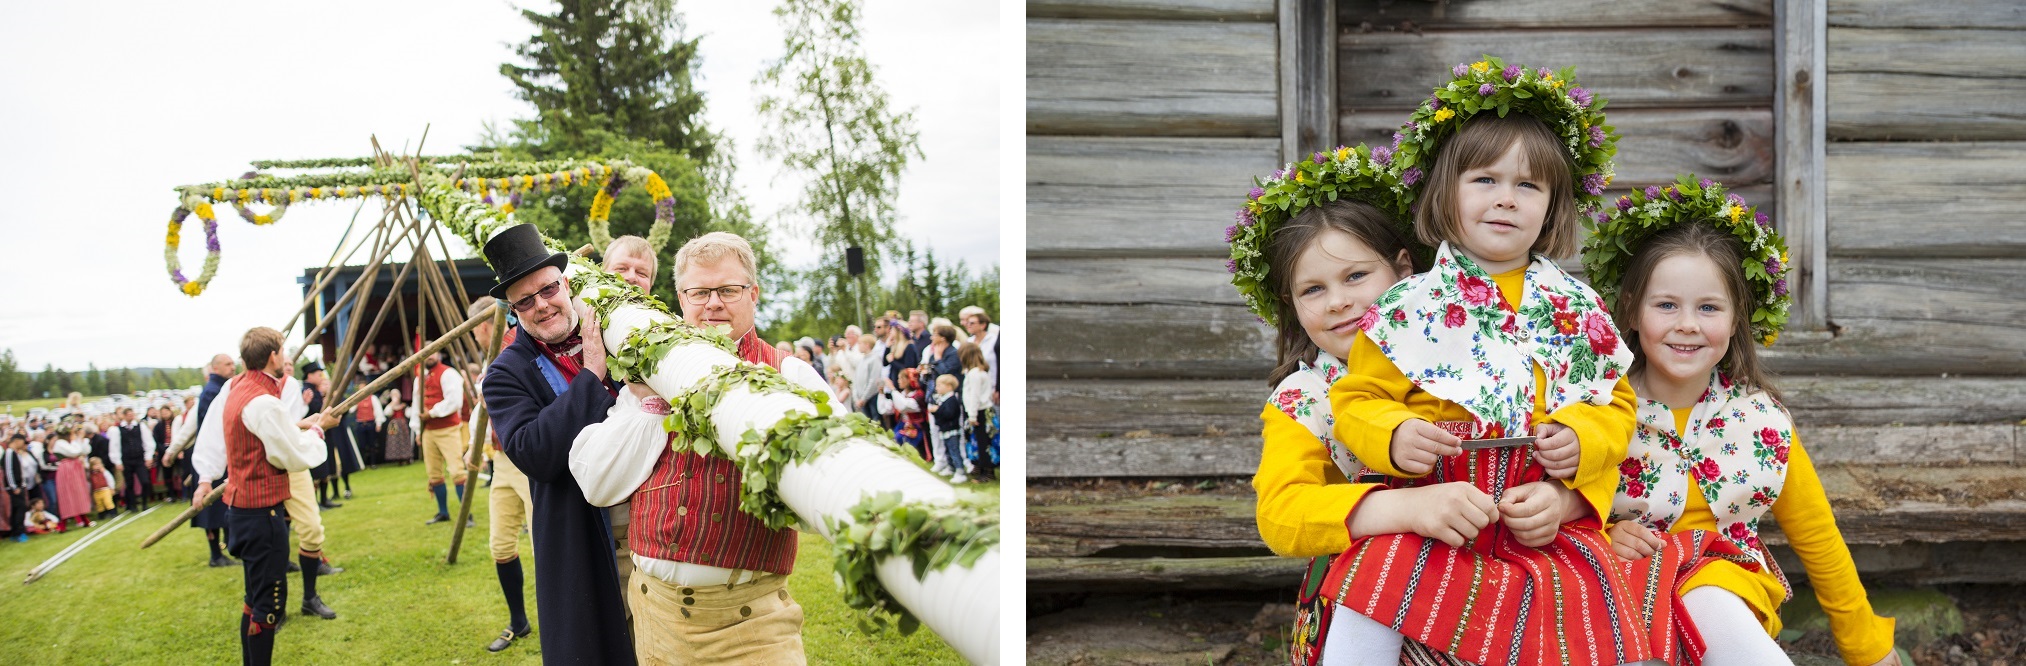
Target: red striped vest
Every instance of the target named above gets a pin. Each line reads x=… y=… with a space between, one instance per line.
x=255 y=483
x=432 y=393
x=688 y=510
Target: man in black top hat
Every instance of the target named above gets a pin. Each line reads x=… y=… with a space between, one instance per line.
x=541 y=390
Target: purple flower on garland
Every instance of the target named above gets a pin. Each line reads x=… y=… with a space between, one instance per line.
x=1599 y=216
x=1245 y=217
x=1320 y=158
x=1543 y=73
x=1653 y=191
x=1231 y=265
x=1705 y=183
x=1737 y=200
x=1581 y=97
x=1773 y=265
x=1780 y=287
x=1761 y=218
x=1411 y=176
x=1594 y=184
x=1382 y=156
x=515 y=199
x=178 y=274
x=1433 y=103
x=613 y=186
x=1279 y=174
x=1255 y=194
x=1486 y=90
x=665 y=209
x=1460 y=69
x=1596 y=136
x=1624 y=204
x=1674 y=194
x=1230 y=233
x=1512 y=72
x=1397 y=138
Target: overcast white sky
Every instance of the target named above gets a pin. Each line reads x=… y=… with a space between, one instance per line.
x=106 y=106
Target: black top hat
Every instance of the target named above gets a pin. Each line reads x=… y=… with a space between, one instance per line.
x=516 y=252
x=311 y=368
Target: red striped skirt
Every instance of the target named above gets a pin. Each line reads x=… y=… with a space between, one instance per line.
x=1495 y=601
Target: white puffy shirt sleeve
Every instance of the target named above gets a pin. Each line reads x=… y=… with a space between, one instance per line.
x=113 y=447
x=185 y=432
x=288 y=447
x=610 y=459
x=453 y=394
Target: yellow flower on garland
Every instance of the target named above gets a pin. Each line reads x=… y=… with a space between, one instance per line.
x=1343 y=152
x=1444 y=114
x=657 y=189
x=1772 y=338
x=1480 y=66
x=217 y=193
x=263 y=219
x=203 y=211
x=316 y=193
x=244 y=196
x=565 y=178
x=601 y=207
x=192 y=288
x=1737 y=213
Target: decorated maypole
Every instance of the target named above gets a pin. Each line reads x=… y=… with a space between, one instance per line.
x=908 y=544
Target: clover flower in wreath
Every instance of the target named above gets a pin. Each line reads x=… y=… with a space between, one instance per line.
x=1635 y=218
x=1576 y=115
x=1344 y=172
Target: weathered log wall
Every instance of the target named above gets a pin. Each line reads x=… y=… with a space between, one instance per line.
x=1147 y=120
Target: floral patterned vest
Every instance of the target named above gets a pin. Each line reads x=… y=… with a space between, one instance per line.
x=1450 y=332
x=1735 y=448
x=1305 y=397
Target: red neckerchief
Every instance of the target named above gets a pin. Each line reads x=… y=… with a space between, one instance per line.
x=755 y=350
x=568 y=356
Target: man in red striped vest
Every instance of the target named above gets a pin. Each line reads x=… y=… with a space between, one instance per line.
x=443 y=431
x=709 y=581
x=262 y=445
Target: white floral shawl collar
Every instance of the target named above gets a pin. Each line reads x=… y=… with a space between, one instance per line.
x=1305 y=397
x=1736 y=450
x=1450 y=332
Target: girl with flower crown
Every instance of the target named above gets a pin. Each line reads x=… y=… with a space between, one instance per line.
x=1499 y=370
x=1311 y=271
x=1715 y=450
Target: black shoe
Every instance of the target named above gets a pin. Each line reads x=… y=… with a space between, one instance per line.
x=221 y=561
x=507 y=637
x=327 y=504
x=294 y=568
x=324 y=568
x=315 y=606
x=438 y=518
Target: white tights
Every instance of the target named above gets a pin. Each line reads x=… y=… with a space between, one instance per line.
x=1356 y=640
x=1731 y=632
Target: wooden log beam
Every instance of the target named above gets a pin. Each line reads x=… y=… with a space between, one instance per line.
x=1123 y=574
x=480 y=421
x=1538 y=14
x=1926 y=85
x=1151 y=78
x=1734 y=145
x=1160 y=10
x=1138 y=196
x=2007 y=14
x=1634 y=68
x=1944 y=200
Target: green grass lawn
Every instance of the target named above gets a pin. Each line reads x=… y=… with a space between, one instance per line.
x=397 y=601
x=20 y=407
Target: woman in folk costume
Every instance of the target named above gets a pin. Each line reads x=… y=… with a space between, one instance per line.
x=1498 y=369
x=1310 y=270
x=73 y=481
x=1696 y=277
x=400 y=438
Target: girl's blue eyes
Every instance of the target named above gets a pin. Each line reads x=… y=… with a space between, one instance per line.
x=1706 y=307
x=1353 y=277
x=1488 y=180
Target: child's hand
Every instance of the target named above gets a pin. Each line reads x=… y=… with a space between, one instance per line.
x=1418 y=445
x=1452 y=513
x=1556 y=449
x=1632 y=541
x=1533 y=512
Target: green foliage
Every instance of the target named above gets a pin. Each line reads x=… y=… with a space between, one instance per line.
x=14 y=384
x=829 y=122
x=94 y=381
x=617 y=67
x=646 y=346
x=825 y=300
x=797 y=437
x=931 y=536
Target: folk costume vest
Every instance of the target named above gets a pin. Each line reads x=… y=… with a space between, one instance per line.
x=132 y=450
x=1736 y=450
x=1451 y=334
x=256 y=484
x=688 y=509
x=432 y=393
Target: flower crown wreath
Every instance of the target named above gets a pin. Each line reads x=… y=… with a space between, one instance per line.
x=1689 y=201
x=1574 y=114
x=1345 y=173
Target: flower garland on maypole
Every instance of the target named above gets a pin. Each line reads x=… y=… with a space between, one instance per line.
x=511 y=179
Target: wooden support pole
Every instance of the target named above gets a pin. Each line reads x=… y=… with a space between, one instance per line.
x=481 y=420
x=393 y=299
x=326 y=276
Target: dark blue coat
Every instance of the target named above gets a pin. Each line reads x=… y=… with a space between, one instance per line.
x=576 y=584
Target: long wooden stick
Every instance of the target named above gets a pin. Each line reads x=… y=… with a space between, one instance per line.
x=393 y=298
x=354 y=294
x=375 y=261
x=481 y=420
x=332 y=411
x=325 y=277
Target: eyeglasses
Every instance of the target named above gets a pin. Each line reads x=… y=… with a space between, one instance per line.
x=528 y=302
x=730 y=293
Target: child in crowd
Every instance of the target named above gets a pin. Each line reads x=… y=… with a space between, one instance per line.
x=1311 y=272
x=1498 y=369
x=948 y=412
x=983 y=456
x=911 y=422
x=101 y=488
x=1714 y=452
x=39 y=520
